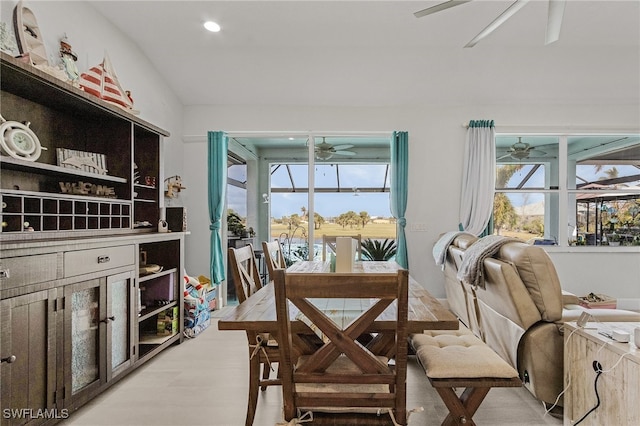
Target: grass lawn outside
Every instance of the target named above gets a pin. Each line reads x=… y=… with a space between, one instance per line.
x=371 y=230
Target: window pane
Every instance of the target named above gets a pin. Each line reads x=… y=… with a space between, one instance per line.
x=237 y=188
x=237 y=172
x=362 y=175
x=527 y=162
x=605 y=218
x=599 y=162
x=289 y=176
x=237 y=200
x=518 y=176
x=530 y=216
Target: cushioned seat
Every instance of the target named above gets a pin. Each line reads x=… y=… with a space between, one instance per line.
x=458 y=354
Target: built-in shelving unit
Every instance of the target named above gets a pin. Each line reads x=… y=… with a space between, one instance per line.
x=65 y=117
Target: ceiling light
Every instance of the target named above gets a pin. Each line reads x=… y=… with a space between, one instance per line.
x=212 y=26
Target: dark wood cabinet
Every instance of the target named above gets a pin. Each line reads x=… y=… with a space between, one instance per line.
x=71 y=239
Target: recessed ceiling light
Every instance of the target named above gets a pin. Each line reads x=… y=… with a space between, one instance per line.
x=212 y=26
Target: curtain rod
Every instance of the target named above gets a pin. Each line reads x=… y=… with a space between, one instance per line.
x=271 y=134
x=555 y=129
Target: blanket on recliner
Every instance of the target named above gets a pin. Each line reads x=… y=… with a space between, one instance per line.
x=471 y=268
x=441 y=246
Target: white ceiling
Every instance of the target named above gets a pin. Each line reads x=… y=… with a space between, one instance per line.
x=376 y=53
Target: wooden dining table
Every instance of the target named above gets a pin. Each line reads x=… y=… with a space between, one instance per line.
x=258 y=312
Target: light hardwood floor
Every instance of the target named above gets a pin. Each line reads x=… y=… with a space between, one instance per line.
x=204 y=382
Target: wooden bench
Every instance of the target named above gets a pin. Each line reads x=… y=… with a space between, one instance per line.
x=458 y=359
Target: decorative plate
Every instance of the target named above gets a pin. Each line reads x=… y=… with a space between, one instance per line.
x=18 y=141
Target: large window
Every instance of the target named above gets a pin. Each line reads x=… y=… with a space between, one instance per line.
x=349 y=198
x=342 y=190
x=593 y=181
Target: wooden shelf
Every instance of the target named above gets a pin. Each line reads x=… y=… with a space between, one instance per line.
x=29 y=82
x=35 y=167
x=148 y=312
x=144 y=278
x=153 y=339
x=74 y=197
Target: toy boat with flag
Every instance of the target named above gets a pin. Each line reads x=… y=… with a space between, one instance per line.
x=101 y=81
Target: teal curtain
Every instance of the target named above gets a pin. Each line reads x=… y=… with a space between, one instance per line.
x=217 y=162
x=399 y=184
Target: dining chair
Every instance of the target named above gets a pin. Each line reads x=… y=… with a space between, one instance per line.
x=263 y=349
x=329 y=244
x=343 y=379
x=273 y=256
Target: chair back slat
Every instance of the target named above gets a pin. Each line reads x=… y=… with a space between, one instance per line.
x=244 y=268
x=273 y=256
x=358 y=377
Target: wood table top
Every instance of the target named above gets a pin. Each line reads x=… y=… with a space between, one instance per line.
x=258 y=312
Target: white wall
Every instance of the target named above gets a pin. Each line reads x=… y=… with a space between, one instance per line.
x=91 y=36
x=436 y=139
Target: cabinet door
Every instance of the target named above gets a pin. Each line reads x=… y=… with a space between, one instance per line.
x=28 y=333
x=83 y=361
x=119 y=343
x=98 y=330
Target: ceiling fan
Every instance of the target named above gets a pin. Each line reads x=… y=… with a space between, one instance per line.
x=521 y=151
x=325 y=150
x=554 y=19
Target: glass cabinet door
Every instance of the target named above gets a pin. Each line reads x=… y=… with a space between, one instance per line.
x=83 y=314
x=119 y=333
x=98 y=342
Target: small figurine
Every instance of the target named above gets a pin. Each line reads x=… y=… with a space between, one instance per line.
x=69 y=59
x=174 y=185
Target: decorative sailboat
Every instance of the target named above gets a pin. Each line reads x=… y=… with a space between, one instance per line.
x=30 y=41
x=102 y=81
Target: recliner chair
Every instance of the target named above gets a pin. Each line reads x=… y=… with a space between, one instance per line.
x=520 y=312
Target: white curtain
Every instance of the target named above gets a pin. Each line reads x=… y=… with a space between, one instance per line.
x=478 y=179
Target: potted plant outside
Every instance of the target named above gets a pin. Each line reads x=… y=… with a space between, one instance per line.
x=378 y=250
x=235 y=225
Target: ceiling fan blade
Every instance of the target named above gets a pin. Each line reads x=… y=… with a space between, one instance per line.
x=504 y=156
x=339 y=147
x=554 y=21
x=344 y=153
x=437 y=8
x=504 y=16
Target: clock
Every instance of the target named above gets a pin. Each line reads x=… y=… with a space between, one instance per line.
x=18 y=141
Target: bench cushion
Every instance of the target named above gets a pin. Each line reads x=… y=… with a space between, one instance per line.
x=458 y=354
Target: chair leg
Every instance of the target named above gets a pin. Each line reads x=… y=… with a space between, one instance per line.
x=254 y=383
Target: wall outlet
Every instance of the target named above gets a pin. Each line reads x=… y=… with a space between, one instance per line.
x=418 y=227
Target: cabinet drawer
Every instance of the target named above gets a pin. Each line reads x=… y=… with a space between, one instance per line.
x=25 y=270
x=95 y=260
